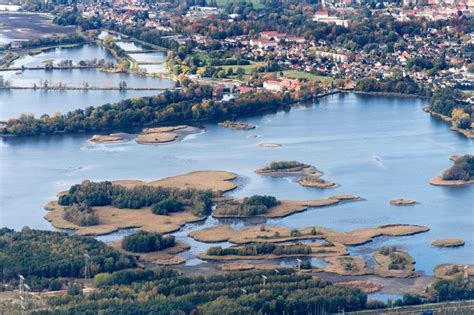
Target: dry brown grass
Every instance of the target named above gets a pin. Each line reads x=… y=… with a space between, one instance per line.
x=362 y=236
x=448 y=242
x=239 y=266
x=213 y=180
x=157 y=137
x=314 y=181
x=164 y=129
x=366 y=286
x=339 y=265
x=384 y=261
x=113 y=219
x=255 y=234
x=166 y=257
x=285 y=208
x=450 y=271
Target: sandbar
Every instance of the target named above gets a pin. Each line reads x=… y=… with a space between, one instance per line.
x=448 y=242
x=111 y=138
x=403 y=202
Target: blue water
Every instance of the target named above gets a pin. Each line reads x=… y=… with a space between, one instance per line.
x=378 y=148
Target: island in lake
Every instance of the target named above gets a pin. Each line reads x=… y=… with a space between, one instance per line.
x=460 y=174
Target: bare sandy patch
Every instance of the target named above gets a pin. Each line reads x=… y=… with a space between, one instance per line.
x=269 y=145
x=438 y=181
x=448 y=242
x=164 y=129
x=158 y=137
x=112 y=138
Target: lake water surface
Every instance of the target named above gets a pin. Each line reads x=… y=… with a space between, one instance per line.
x=375 y=147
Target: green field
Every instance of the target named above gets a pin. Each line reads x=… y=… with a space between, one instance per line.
x=248 y=68
x=307 y=75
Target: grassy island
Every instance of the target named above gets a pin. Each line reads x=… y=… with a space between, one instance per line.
x=460 y=174
x=152 y=248
x=394 y=263
x=347 y=266
x=315 y=181
x=278 y=234
x=236 y=125
x=271 y=208
x=286 y=167
x=274 y=251
x=160 y=206
x=165 y=134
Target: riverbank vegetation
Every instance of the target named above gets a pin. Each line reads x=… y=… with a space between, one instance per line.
x=193 y=103
x=398 y=85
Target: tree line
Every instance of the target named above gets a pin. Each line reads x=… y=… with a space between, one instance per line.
x=190 y=104
x=249 y=206
x=45 y=254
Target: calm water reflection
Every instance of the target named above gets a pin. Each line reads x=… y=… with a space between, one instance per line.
x=378 y=148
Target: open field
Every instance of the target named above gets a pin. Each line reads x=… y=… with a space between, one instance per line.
x=26 y=26
x=256 y=4
x=306 y=75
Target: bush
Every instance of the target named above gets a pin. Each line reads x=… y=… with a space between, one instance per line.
x=167 y=205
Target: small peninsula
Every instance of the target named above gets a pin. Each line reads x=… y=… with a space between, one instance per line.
x=460 y=174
